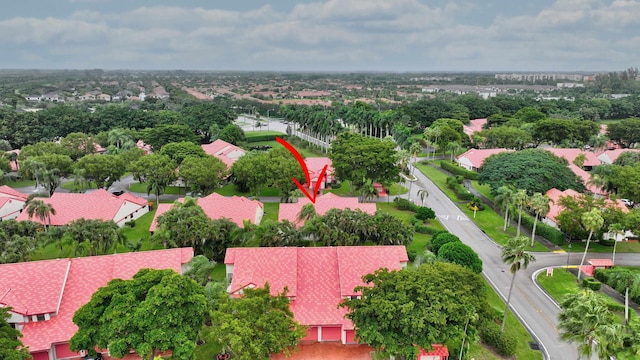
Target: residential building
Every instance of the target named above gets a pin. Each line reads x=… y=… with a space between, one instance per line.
x=97 y=205
x=235 y=208
x=224 y=151
x=44 y=295
x=475 y=125
x=315 y=166
x=473 y=159
x=555 y=208
x=610 y=156
x=571 y=154
x=317 y=279
x=324 y=203
x=11 y=203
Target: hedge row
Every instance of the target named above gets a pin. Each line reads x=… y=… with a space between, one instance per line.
x=505 y=342
x=548 y=232
x=591 y=283
x=258 y=138
x=455 y=184
x=457 y=170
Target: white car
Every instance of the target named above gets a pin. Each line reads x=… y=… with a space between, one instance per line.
x=627 y=202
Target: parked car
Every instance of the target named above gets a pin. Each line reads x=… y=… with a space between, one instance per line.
x=627 y=202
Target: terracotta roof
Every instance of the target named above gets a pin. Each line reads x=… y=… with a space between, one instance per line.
x=216 y=206
x=571 y=154
x=476 y=157
x=324 y=203
x=610 y=156
x=554 y=205
x=12 y=193
x=585 y=176
x=224 y=151
x=475 y=125
x=316 y=164
x=601 y=262
x=85 y=276
x=317 y=277
x=437 y=350
x=97 y=205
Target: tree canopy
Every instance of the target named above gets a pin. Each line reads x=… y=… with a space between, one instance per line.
x=125 y=315
x=533 y=170
x=11 y=348
x=403 y=310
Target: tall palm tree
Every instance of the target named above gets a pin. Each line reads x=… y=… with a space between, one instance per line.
x=515 y=255
x=307 y=212
x=41 y=210
x=585 y=319
x=453 y=148
x=592 y=221
x=422 y=194
x=505 y=199
x=540 y=205
x=616 y=229
x=520 y=200
x=630 y=281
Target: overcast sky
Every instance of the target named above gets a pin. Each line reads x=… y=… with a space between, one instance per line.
x=317 y=35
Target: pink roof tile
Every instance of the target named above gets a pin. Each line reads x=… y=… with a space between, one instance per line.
x=97 y=205
x=324 y=203
x=85 y=276
x=555 y=208
x=601 y=262
x=235 y=208
x=476 y=157
x=571 y=154
x=317 y=277
x=441 y=351
x=585 y=177
x=316 y=164
x=610 y=156
x=224 y=151
x=475 y=125
x=12 y=193
x=33 y=288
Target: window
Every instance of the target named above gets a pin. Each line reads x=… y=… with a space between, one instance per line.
x=40 y=317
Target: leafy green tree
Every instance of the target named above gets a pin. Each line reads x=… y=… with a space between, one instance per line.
x=529 y=114
x=256 y=324
x=458 y=253
x=42 y=148
x=440 y=239
x=178 y=151
x=540 y=205
x=144 y=329
x=532 y=170
x=357 y=158
x=104 y=170
x=436 y=303
x=628 y=158
x=251 y=172
x=586 y=320
x=626 y=180
x=78 y=145
x=592 y=221
x=63 y=163
x=203 y=174
x=201 y=117
x=626 y=132
x=94 y=237
x=161 y=135
x=282 y=167
x=232 y=134
x=515 y=255
x=11 y=348
x=507 y=137
x=158 y=171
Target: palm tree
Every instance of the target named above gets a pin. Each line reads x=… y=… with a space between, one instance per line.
x=50 y=179
x=307 y=212
x=592 y=221
x=616 y=229
x=505 y=198
x=515 y=255
x=540 y=205
x=585 y=319
x=630 y=281
x=598 y=181
x=367 y=190
x=41 y=210
x=453 y=147
x=422 y=194
x=520 y=199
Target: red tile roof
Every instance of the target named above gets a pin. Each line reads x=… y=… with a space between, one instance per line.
x=324 y=203
x=571 y=154
x=85 y=276
x=438 y=350
x=235 y=208
x=475 y=125
x=97 y=205
x=224 y=151
x=317 y=277
x=12 y=193
x=476 y=157
x=610 y=156
x=315 y=166
x=555 y=208
x=585 y=177
x=601 y=262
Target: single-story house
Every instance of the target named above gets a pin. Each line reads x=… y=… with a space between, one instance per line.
x=571 y=154
x=235 y=208
x=324 y=203
x=315 y=166
x=97 y=205
x=585 y=177
x=317 y=278
x=11 y=203
x=473 y=159
x=44 y=295
x=610 y=156
x=224 y=151
x=475 y=125
x=555 y=208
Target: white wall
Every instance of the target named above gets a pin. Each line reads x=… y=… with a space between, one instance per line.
x=11 y=209
x=127 y=209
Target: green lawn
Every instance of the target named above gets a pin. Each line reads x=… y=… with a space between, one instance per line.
x=142 y=188
x=438 y=177
x=21 y=183
x=271 y=211
x=140 y=231
x=252 y=134
x=485 y=189
x=301 y=147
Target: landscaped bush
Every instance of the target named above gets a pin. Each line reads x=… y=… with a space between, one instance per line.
x=455 y=184
x=548 y=232
x=261 y=137
x=457 y=170
x=411 y=254
x=404 y=204
x=425 y=213
x=458 y=253
x=504 y=342
x=130 y=224
x=422 y=229
x=600 y=275
x=591 y=283
x=439 y=239
x=607 y=242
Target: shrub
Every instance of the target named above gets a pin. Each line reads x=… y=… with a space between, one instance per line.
x=425 y=213
x=422 y=229
x=131 y=223
x=457 y=170
x=404 y=204
x=548 y=232
x=411 y=254
x=261 y=137
x=504 y=342
x=440 y=239
x=591 y=283
x=607 y=242
x=600 y=275
x=461 y=254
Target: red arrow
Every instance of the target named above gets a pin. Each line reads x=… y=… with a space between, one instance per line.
x=303 y=165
